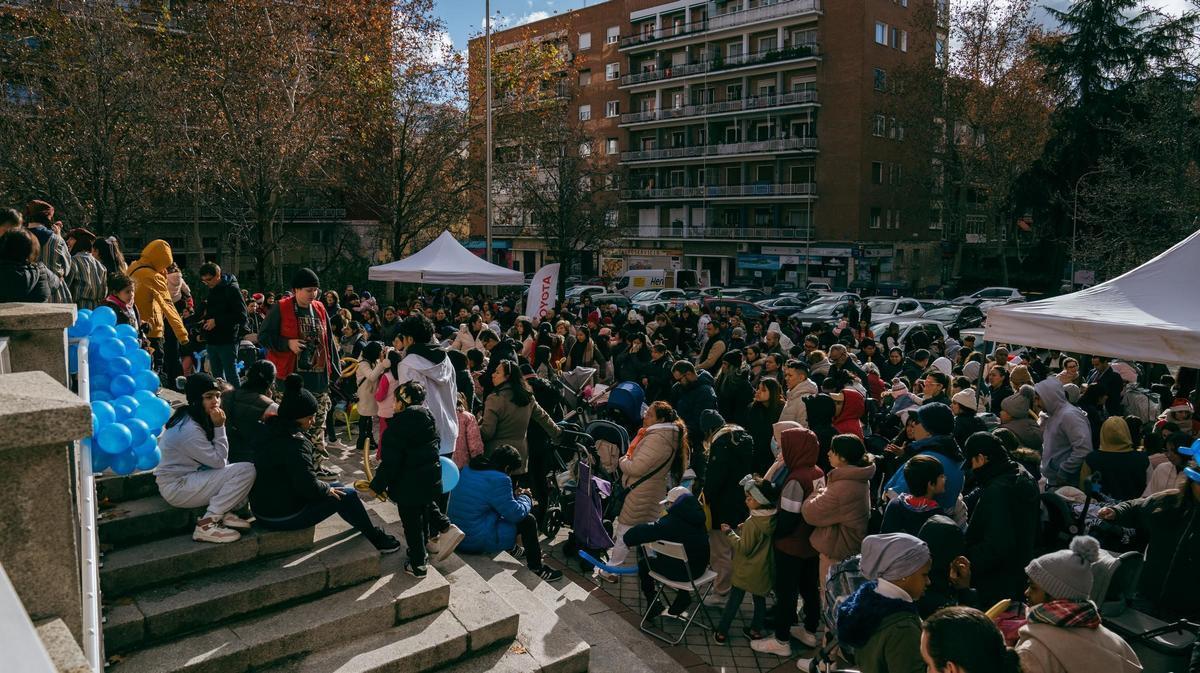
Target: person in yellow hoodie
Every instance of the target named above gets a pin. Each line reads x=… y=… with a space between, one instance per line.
x=153 y=299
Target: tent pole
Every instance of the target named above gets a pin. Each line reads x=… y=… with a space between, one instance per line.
x=488 y=115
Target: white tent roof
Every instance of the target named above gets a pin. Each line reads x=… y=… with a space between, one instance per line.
x=445 y=261
x=1149 y=314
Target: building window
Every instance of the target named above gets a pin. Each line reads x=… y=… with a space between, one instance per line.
x=877 y=172
x=614 y=34
x=939 y=52
x=762 y=217
x=585 y=112
x=892 y=128
x=733 y=218
x=585 y=149
x=612 y=181
x=612 y=71
x=895 y=174
x=585 y=41
x=766 y=174
x=935 y=218
x=767 y=44
x=880 y=79
x=610 y=146
x=733 y=92
x=876 y=218
x=585 y=77
x=881 y=33
x=612 y=108
x=878 y=123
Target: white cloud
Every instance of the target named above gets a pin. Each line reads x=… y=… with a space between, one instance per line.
x=533 y=16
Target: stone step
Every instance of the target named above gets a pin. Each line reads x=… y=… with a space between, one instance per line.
x=553 y=643
x=116 y=488
x=256 y=643
x=174 y=558
x=158 y=613
x=142 y=520
x=477 y=622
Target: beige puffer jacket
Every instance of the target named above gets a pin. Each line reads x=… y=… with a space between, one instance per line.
x=656 y=447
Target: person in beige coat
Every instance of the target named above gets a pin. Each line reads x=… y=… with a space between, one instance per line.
x=799 y=386
x=839 y=511
x=507 y=412
x=658 y=450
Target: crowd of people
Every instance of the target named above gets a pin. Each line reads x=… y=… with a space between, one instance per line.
x=774 y=452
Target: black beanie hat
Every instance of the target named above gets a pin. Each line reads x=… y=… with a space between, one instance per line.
x=297 y=402
x=710 y=420
x=198 y=384
x=937 y=418
x=305 y=277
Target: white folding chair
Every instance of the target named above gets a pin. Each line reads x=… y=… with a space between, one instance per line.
x=699 y=587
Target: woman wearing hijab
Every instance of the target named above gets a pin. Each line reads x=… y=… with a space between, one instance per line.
x=194 y=470
x=880 y=619
x=1122 y=470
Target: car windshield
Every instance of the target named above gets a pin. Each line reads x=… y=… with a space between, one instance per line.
x=645 y=294
x=881 y=306
x=943 y=313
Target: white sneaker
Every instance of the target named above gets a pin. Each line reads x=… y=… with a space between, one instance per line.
x=805 y=637
x=447 y=542
x=231 y=520
x=804 y=663
x=213 y=531
x=431 y=547
x=769 y=645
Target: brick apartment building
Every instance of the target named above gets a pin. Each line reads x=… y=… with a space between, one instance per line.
x=751 y=137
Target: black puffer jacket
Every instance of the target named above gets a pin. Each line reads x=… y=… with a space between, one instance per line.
x=1002 y=531
x=286 y=478
x=411 y=473
x=683 y=523
x=226 y=306
x=1171 y=521
x=244 y=409
x=23 y=283
x=730 y=457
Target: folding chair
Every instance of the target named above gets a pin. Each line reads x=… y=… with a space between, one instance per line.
x=693 y=585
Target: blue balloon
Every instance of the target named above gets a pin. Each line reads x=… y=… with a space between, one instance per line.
x=449 y=474
x=125 y=462
x=99 y=382
x=148 y=461
x=139 y=431
x=102 y=414
x=120 y=366
x=73 y=359
x=123 y=412
x=131 y=344
x=138 y=359
x=155 y=413
x=100 y=460
x=103 y=316
x=146 y=380
x=128 y=401
x=114 y=438
x=100 y=396
x=127 y=330
x=147 y=445
x=122 y=385
x=145 y=396
x=101 y=332
x=83 y=324
x=111 y=348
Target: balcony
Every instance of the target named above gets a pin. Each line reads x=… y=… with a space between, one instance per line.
x=808 y=97
x=720 y=192
x=723 y=21
x=729 y=149
x=720 y=62
x=704 y=233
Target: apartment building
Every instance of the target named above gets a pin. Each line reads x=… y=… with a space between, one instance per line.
x=754 y=138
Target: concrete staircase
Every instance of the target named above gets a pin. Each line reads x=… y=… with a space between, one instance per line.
x=318 y=600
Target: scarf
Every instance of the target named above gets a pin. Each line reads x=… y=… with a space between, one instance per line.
x=642 y=433
x=1067 y=614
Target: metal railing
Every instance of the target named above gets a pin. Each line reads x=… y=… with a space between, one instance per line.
x=767 y=233
x=756 y=147
x=5 y=361
x=721 y=21
x=722 y=191
x=739 y=105
x=93 y=617
x=719 y=62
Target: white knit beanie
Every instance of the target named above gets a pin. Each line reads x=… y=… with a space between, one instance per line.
x=1067 y=573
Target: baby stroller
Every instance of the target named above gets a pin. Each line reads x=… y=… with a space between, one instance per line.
x=625 y=406
x=844 y=579
x=578 y=490
x=577 y=387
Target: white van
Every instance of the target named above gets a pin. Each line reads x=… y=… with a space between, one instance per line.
x=632 y=282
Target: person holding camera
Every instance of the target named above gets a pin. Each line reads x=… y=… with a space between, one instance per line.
x=299 y=339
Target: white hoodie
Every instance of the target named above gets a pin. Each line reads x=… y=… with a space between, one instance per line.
x=441 y=391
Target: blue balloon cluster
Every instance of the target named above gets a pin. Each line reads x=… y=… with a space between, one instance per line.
x=127 y=416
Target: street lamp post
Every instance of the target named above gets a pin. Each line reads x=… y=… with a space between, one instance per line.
x=488 y=124
x=1075 y=222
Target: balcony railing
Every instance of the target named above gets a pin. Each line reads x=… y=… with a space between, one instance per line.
x=719 y=62
x=721 y=191
x=721 y=21
x=777 y=145
x=727 y=233
x=753 y=103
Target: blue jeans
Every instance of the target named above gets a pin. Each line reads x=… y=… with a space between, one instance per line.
x=222 y=359
x=349 y=507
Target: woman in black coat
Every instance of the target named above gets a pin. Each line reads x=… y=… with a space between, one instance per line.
x=287 y=494
x=21 y=278
x=760 y=422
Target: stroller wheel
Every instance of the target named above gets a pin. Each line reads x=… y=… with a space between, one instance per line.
x=553 y=522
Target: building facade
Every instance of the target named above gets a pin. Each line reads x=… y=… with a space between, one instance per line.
x=750 y=138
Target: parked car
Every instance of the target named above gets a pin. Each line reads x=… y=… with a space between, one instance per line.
x=782 y=307
x=711 y=291
x=818 y=286
x=821 y=311
x=751 y=294
x=581 y=291
x=928 y=304
x=748 y=309
x=991 y=293
x=908 y=327
x=902 y=307
x=958 y=316
x=644 y=300
x=620 y=300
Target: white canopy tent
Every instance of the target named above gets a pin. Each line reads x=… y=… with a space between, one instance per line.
x=1149 y=314
x=445 y=260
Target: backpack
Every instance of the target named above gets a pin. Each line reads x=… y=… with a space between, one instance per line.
x=1140 y=402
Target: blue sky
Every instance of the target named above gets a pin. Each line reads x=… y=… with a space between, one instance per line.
x=464 y=18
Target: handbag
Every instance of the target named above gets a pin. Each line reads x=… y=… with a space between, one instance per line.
x=616 y=501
